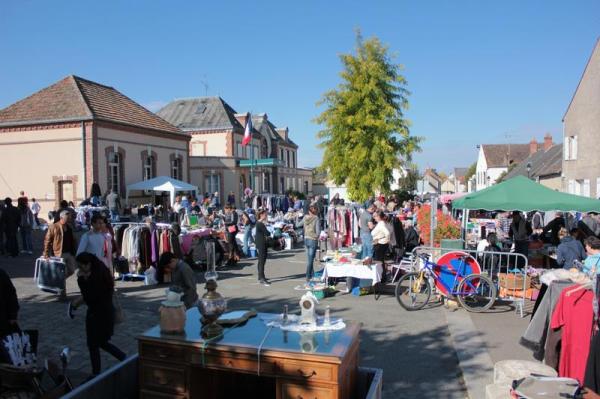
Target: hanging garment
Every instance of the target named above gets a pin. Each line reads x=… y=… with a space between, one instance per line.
x=535 y=337
x=574 y=315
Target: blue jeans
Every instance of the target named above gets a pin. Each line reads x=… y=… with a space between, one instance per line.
x=26 y=239
x=311 y=251
x=114 y=215
x=247 y=239
x=367 y=245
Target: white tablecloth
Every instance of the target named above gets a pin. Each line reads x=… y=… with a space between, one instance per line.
x=372 y=272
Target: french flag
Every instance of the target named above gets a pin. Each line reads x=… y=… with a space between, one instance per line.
x=248 y=131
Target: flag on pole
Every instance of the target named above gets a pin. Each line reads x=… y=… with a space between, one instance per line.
x=248 y=131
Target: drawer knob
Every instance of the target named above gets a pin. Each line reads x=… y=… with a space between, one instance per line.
x=306 y=375
x=162 y=380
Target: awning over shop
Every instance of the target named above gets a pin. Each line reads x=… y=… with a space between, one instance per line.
x=523 y=194
x=162 y=183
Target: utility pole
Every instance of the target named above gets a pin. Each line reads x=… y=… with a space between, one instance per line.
x=433 y=219
x=251 y=164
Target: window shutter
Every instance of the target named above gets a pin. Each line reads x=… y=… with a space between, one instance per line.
x=574 y=149
x=571 y=187
x=566 y=146
x=586 y=188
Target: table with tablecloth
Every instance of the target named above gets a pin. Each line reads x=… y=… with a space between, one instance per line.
x=356 y=270
x=186 y=239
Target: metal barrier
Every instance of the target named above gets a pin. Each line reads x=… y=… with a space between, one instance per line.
x=121 y=382
x=492 y=264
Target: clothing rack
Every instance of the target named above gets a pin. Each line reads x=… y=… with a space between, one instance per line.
x=139 y=224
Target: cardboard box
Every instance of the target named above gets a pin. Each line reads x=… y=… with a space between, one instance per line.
x=530 y=293
x=514 y=281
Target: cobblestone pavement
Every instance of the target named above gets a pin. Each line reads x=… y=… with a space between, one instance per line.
x=414 y=349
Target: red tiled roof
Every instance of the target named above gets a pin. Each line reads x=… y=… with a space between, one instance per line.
x=74 y=99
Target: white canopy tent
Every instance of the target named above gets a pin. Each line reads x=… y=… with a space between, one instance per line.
x=162 y=183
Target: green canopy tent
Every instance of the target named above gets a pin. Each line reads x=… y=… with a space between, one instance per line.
x=523 y=194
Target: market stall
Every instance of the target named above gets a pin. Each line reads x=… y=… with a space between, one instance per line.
x=353 y=268
x=162 y=184
x=523 y=194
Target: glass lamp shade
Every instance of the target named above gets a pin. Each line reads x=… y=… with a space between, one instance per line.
x=211 y=306
x=211 y=268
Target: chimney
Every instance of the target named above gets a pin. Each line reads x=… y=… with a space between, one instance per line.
x=283 y=132
x=241 y=118
x=548 y=141
x=533 y=146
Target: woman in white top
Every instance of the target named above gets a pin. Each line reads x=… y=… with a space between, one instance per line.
x=381 y=237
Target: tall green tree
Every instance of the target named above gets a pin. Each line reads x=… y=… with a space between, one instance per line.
x=471 y=171
x=410 y=180
x=364 y=132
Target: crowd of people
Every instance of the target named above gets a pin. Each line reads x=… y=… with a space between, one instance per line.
x=19 y=220
x=573 y=236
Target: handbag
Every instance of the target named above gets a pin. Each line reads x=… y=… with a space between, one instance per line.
x=119 y=317
x=232 y=229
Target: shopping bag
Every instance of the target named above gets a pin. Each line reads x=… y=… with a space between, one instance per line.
x=119 y=317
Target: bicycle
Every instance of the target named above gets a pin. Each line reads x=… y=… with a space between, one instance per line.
x=476 y=292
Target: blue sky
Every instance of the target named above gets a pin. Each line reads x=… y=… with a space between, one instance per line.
x=479 y=71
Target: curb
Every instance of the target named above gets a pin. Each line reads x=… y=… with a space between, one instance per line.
x=473 y=358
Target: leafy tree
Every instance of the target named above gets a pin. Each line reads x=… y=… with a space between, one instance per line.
x=502 y=175
x=470 y=172
x=364 y=131
x=409 y=182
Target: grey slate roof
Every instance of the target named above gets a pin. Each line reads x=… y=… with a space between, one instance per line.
x=543 y=163
x=200 y=113
x=459 y=173
x=267 y=128
x=502 y=155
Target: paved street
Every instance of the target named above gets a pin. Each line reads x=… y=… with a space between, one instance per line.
x=414 y=349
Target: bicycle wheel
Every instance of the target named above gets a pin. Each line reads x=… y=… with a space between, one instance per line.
x=413 y=291
x=476 y=293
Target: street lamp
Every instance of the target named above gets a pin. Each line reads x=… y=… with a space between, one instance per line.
x=528 y=170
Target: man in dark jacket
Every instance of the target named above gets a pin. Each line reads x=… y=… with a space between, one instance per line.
x=550 y=233
x=520 y=230
x=569 y=250
x=9 y=305
x=11 y=219
x=411 y=236
x=182 y=276
x=260 y=240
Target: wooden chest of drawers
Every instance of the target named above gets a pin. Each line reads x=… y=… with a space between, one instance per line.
x=250 y=357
